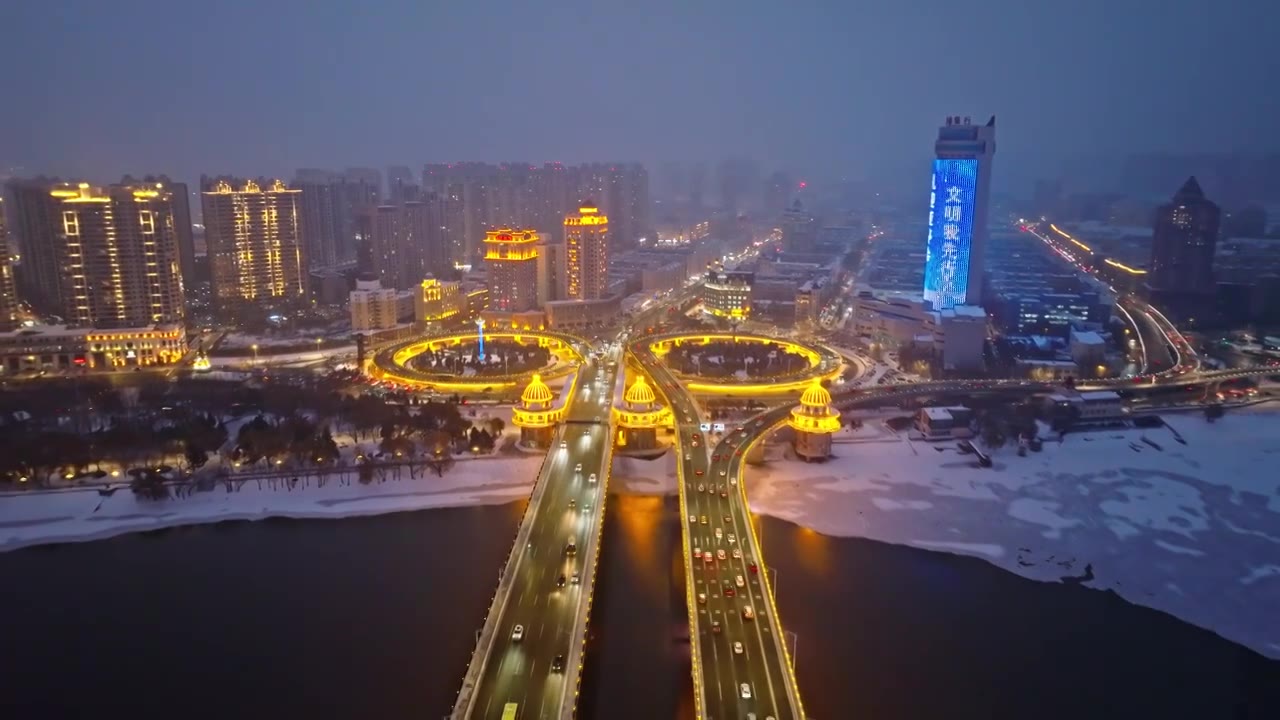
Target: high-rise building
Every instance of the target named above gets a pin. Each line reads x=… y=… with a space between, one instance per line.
x=254 y=232
x=586 y=253
x=321 y=206
x=8 y=293
x=180 y=196
x=1183 y=242
x=402 y=186
x=511 y=262
x=32 y=220
x=799 y=229
x=388 y=243
x=359 y=188
x=117 y=255
x=551 y=271
x=958 y=202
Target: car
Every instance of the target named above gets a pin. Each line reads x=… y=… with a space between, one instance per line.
x=731 y=539
x=755 y=569
x=698 y=472
x=517 y=633
x=728 y=520
x=696 y=436
x=694 y=443
x=720 y=554
x=723 y=493
x=572 y=503
x=576 y=578
x=697 y=553
x=708 y=557
x=688 y=456
x=591 y=478
x=702 y=598
x=571 y=547
x=557 y=663
x=748 y=613
x=586 y=432
x=702 y=488
x=739 y=581
x=693 y=519
x=721 y=473
x=704 y=519
x=564 y=445
x=578 y=468
x=728 y=590
x=745 y=690
x=737 y=648
x=719 y=533
x=715 y=458
x=715 y=626
x=733 y=481
x=737 y=553
x=560 y=581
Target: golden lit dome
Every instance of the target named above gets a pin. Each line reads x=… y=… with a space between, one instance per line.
x=816 y=396
x=537 y=392
x=639 y=393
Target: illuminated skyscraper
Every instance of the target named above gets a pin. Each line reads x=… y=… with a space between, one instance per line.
x=8 y=297
x=958 y=201
x=253 y=230
x=587 y=253
x=117 y=253
x=511 y=262
x=1183 y=242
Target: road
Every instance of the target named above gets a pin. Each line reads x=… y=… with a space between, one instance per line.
x=740 y=652
x=521 y=671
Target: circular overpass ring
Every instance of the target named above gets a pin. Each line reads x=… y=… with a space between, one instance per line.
x=823 y=363
x=391 y=363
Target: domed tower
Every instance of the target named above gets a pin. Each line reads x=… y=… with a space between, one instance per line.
x=639 y=416
x=814 y=420
x=535 y=415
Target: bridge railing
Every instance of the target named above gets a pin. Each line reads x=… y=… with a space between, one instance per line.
x=497 y=605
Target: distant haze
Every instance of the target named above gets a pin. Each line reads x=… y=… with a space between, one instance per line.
x=834 y=89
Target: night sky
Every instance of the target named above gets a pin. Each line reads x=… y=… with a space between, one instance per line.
x=853 y=88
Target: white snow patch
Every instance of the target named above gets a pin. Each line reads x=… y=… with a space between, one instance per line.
x=1042 y=512
x=984 y=549
x=1179 y=549
x=1259 y=573
x=885 y=503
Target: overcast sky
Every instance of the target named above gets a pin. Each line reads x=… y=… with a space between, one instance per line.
x=857 y=87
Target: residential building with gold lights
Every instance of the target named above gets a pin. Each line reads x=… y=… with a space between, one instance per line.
x=117 y=255
x=253 y=231
x=727 y=293
x=511 y=264
x=439 y=302
x=52 y=348
x=586 y=238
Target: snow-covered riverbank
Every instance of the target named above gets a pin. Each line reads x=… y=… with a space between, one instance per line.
x=1192 y=529
x=79 y=514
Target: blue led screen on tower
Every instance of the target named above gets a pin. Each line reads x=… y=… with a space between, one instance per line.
x=952 y=205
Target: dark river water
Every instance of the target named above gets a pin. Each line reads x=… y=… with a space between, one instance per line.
x=375 y=618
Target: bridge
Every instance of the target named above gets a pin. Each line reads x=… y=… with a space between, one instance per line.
x=740 y=663
x=530 y=650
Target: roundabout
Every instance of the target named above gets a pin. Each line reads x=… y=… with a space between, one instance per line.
x=743 y=364
x=478 y=362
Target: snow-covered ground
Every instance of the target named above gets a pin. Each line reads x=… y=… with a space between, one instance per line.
x=1192 y=529
x=31 y=518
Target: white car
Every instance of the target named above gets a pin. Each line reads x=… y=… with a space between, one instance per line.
x=591 y=478
x=693 y=519
x=739 y=581
x=731 y=539
x=564 y=445
x=746 y=691
x=737 y=648
x=517 y=633
x=719 y=533
x=737 y=554
x=577 y=468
